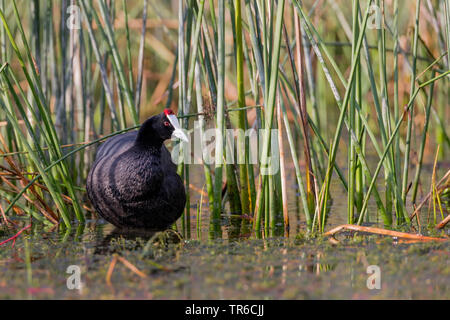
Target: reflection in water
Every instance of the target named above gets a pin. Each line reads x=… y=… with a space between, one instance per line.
x=119 y=240
x=122 y=239
x=312 y=263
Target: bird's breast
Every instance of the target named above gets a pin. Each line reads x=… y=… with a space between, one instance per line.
x=130 y=176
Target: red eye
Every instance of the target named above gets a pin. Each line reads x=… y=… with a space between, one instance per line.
x=166 y=123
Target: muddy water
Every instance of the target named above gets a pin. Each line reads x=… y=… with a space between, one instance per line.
x=221 y=269
x=163 y=267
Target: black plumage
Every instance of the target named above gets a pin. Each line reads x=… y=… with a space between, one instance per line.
x=133 y=182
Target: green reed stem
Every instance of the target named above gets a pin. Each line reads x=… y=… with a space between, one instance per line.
x=242 y=118
x=215 y=221
x=423 y=141
x=394 y=132
x=411 y=114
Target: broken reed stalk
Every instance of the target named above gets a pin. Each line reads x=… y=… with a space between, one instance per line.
x=443 y=223
x=380 y=231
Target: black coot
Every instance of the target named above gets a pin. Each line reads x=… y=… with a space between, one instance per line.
x=133 y=182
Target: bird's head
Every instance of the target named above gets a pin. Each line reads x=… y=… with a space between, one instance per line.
x=171 y=126
x=160 y=128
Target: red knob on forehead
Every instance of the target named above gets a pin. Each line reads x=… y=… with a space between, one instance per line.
x=168 y=111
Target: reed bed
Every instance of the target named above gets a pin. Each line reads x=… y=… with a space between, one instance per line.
x=356 y=94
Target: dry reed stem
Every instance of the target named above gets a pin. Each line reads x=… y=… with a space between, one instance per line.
x=447 y=175
x=132 y=267
x=110 y=270
x=380 y=231
x=200 y=191
x=433 y=187
x=127 y=264
x=443 y=223
x=13 y=238
x=4 y=216
x=15 y=172
x=44 y=209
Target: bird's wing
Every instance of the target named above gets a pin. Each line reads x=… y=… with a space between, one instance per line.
x=117 y=144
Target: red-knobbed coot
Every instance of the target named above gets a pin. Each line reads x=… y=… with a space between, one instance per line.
x=133 y=182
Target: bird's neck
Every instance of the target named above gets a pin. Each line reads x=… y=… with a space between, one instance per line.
x=147 y=137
